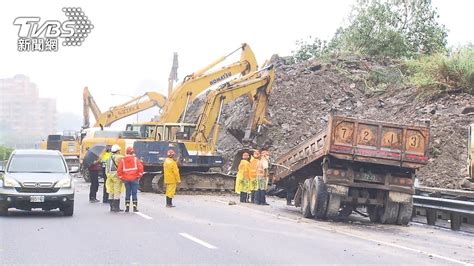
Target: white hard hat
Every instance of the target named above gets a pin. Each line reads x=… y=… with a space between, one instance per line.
x=115 y=148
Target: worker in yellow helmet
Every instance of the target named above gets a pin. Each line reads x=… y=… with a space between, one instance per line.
x=242 y=179
x=253 y=175
x=172 y=177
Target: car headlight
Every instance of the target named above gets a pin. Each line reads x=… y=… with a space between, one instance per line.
x=10 y=182
x=66 y=182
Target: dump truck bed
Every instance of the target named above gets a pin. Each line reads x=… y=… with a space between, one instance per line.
x=357 y=140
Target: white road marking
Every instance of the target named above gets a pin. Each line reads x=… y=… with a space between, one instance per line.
x=144 y=215
x=199 y=241
x=363 y=237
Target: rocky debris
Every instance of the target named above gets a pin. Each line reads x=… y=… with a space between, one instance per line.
x=305 y=93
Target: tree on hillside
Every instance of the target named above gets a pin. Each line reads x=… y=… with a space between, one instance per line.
x=395 y=28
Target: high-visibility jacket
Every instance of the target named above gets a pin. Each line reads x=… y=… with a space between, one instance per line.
x=253 y=167
x=171 y=171
x=260 y=168
x=244 y=169
x=130 y=168
x=105 y=157
x=112 y=164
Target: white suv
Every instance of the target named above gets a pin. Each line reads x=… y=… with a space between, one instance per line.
x=36 y=179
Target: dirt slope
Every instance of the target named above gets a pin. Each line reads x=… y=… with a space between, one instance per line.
x=305 y=93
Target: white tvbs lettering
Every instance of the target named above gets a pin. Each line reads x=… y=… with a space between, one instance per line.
x=30 y=28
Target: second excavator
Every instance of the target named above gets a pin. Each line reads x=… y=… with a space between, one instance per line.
x=195 y=144
x=184 y=93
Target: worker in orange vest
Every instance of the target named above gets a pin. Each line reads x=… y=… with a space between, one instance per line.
x=253 y=175
x=130 y=170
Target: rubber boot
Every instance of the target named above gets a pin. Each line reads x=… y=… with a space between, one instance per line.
x=242 y=196
x=167 y=202
x=127 y=205
x=171 y=203
x=111 y=203
x=257 y=197
x=264 y=198
x=135 y=206
x=117 y=205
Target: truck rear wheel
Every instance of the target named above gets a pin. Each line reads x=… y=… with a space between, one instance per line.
x=305 y=199
x=389 y=213
x=405 y=212
x=374 y=213
x=334 y=205
x=319 y=198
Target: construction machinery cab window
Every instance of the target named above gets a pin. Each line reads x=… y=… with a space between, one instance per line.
x=179 y=132
x=145 y=131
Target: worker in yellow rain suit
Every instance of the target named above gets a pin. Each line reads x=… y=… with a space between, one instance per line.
x=114 y=184
x=253 y=175
x=172 y=177
x=242 y=179
x=104 y=158
x=262 y=178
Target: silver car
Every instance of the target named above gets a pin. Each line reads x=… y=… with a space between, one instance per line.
x=36 y=179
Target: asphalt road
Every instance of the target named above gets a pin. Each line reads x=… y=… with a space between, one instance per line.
x=205 y=229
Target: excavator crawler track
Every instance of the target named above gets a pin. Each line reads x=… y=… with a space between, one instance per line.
x=193 y=182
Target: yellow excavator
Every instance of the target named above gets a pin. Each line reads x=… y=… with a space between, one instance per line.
x=100 y=134
x=67 y=143
x=193 y=85
x=195 y=144
x=115 y=113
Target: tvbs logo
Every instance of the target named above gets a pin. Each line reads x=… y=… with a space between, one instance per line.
x=34 y=35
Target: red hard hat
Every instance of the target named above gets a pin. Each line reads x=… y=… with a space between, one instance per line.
x=171 y=153
x=130 y=150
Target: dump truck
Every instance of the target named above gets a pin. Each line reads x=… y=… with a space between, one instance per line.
x=355 y=164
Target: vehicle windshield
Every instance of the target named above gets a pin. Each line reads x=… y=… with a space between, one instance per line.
x=36 y=163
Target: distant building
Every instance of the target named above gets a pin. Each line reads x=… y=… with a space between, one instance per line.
x=25 y=118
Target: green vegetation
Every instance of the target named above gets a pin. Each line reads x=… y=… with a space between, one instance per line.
x=404 y=30
x=440 y=73
x=5 y=153
x=397 y=29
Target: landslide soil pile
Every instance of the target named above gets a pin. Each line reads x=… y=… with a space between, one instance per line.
x=305 y=93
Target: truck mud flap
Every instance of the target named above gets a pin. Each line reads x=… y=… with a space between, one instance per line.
x=399 y=197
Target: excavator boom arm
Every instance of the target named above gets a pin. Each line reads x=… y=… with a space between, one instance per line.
x=201 y=80
x=89 y=104
x=209 y=119
x=130 y=107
